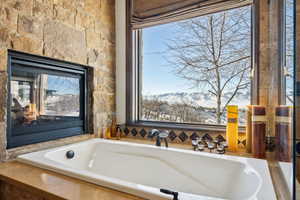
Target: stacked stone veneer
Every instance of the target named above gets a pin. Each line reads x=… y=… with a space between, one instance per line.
x=80 y=31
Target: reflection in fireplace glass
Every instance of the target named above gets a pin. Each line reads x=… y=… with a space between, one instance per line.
x=39 y=98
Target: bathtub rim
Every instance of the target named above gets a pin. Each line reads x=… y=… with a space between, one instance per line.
x=34 y=159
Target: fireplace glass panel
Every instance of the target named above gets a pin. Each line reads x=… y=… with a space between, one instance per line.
x=47 y=99
x=39 y=98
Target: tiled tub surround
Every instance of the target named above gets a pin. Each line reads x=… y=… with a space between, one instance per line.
x=142 y=170
x=79 y=31
x=182 y=136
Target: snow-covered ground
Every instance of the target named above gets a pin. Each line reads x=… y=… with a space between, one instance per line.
x=206 y=104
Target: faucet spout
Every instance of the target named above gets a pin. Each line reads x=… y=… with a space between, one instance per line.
x=160 y=135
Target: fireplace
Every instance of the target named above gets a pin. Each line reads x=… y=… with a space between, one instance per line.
x=47 y=99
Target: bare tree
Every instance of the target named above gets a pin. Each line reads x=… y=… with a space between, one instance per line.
x=153 y=109
x=213 y=53
x=183 y=111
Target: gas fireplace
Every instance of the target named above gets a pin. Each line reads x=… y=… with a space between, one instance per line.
x=47 y=99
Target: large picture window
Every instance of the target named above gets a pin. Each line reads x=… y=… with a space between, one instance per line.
x=190 y=70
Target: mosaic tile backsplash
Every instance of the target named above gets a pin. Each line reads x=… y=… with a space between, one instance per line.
x=182 y=136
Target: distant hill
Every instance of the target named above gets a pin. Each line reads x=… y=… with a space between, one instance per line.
x=201 y=99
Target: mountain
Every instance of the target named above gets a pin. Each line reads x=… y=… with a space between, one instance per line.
x=242 y=99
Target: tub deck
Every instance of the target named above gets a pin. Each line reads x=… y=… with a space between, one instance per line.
x=53 y=186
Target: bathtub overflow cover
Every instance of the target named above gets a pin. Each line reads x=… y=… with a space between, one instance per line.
x=70 y=154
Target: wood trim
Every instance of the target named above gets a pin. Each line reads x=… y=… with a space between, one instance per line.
x=129 y=62
x=184 y=126
x=281 y=52
x=139 y=68
x=133 y=60
x=282 y=35
x=255 y=52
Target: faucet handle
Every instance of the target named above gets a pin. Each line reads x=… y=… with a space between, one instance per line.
x=224 y=144
x=163 y=134
x=153 y=133
x=221 y=149
x=195 y=142
x=201 y=147
x=210 y=146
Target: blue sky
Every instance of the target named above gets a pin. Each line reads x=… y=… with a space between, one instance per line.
x=157 y=76
x=157 y=73
x=63 y=85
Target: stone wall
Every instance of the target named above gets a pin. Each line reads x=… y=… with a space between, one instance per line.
x=80 y=31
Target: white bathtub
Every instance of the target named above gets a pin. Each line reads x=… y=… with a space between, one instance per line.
x=142 y=170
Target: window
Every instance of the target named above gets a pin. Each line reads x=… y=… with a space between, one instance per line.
x=47 y=99
x=190 y=70
x=289 y=56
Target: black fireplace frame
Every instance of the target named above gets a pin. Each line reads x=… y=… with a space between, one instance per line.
x=28 y=61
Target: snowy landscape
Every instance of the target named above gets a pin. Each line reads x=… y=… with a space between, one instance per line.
x=189 y=107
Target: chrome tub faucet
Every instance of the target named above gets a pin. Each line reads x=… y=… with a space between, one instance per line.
x=160 y=135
